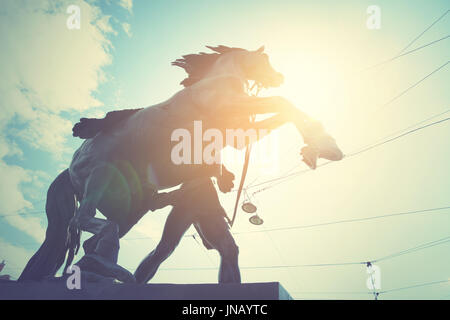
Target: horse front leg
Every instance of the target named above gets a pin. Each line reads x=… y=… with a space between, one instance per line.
x=320 y=144
x=284 y=112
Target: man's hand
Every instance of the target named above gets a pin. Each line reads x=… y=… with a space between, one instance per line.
x=225 y=180
x=74 y=233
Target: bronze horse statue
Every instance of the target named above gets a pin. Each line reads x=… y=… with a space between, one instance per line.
x=126 y=160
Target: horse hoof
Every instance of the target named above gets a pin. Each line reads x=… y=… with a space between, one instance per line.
x=127 y=277
x=92 y=277
x=327 y=148
x=309 y=156
x=98 y=265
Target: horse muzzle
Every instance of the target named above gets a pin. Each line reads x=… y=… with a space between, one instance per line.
x=275 y=80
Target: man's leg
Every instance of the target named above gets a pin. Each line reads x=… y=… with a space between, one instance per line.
x=178 y=221
x=216 y=232
x=210 y=222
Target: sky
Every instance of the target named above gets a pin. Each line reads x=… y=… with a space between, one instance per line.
x=120 y=58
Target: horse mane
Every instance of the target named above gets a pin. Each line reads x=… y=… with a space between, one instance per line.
x=197 y=65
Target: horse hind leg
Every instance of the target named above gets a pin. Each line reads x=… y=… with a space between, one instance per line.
x=103 y=248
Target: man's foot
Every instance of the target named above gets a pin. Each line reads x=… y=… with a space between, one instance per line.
x=94 y=277
x=96 y=264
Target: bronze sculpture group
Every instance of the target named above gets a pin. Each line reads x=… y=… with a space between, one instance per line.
x=125 y=160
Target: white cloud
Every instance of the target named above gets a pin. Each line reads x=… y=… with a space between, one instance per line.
x=46 y=69
x=127 y=4
x=9 y=148
x=11 y=197
x=47 y=131
x=15 y=258
x=127 y=28
x=30 y=225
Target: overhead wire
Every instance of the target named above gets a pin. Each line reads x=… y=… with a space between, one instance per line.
x=423 y=32
x=288 y=176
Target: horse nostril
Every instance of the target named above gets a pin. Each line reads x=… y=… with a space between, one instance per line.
x=279 y=78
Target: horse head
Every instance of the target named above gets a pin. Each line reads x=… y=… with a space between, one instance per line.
x=256 y=66
x=249 y=65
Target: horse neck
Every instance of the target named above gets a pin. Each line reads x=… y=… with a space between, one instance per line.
x=227 y=66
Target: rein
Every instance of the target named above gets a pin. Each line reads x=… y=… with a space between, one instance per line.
x=246 y=163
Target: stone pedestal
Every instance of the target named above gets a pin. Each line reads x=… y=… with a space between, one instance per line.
x=58 y=290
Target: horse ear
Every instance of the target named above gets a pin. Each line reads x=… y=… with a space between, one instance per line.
x=260 y=50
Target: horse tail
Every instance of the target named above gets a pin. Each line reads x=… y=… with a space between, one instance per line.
x=89 y=127
x=60 y=208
